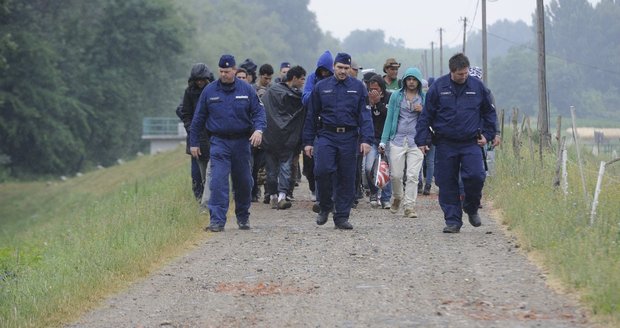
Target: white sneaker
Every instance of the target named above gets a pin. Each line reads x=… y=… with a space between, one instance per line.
x=313 y=197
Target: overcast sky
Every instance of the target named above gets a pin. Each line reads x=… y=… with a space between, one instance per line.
x=417 y=22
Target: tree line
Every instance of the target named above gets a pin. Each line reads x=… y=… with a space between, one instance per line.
x=78 y=77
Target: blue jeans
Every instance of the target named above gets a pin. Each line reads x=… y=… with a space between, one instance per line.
x=430 y=165
x=386 y=192
x=278 y=173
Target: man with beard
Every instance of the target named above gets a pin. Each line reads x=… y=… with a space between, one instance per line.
x=338 y=116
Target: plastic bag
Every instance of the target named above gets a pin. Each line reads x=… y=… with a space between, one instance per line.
x=381 y=170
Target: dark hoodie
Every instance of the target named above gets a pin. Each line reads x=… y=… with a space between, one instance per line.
x=326 y=61
x=285 y=119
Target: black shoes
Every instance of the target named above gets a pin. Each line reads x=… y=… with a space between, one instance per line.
x=214 y=228
x=321 y=219
x=316 y=208
x=244 y=226
x=474 y=219
x=344 y=225
x=451 y=228
x=427 y=190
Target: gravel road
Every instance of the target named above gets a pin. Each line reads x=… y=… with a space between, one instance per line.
x=389 y=271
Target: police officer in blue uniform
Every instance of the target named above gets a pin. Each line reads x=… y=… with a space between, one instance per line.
x=461 y=114
x=338 y=121
x=235 y=119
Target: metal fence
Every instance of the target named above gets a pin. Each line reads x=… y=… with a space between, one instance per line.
x=161 y=126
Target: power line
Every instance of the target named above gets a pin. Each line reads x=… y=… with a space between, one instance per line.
x=525 y=46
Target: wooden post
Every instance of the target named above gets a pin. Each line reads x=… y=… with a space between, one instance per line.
x=529 y=137
x=597 y=191
x=576 y=139
x=558 y=163
x=515 y=133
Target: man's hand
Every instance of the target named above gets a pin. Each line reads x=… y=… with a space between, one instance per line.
x=195 y=151
x=256 y=138
x=424 y=149
x=374 y=97
x=309 y=151
x=417 y=108
x=364 y=148
x=496 y=141
x=381 y=148
x=482 y=140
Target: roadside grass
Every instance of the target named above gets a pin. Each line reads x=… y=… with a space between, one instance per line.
x=64 y=245
x=586 y=259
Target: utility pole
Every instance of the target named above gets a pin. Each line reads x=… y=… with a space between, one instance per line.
x=484 y=42
x=440 y=51
x=464 y=19
x=543 y=114
x=433 y=58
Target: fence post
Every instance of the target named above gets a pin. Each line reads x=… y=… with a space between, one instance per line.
x=576 y=139
x=564 y=170
x=558 y=163
x=515 y=133
x=597 y=191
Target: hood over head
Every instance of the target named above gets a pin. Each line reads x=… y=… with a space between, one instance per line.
x=326 y=61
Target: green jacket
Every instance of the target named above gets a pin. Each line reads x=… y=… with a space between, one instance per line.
x=391 y=121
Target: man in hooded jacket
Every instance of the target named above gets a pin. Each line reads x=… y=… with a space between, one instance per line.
x=282 y=137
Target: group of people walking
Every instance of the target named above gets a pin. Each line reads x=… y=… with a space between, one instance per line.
x=236 y=125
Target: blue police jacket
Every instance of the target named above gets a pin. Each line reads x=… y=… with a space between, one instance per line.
x=457 y=116
x=339 y=104
x=230 y=110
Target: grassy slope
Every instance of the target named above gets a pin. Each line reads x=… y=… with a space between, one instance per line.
x=65 y=244
x=585 y=259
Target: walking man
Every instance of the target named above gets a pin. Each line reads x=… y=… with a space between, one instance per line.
x=338 y=115
x=282 y=138
x=460 y=111
x=235 y=118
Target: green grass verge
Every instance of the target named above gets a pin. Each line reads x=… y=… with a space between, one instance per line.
x=64 y=245
x=585 y=258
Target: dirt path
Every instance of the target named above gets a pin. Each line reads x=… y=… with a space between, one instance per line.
x=389 y=271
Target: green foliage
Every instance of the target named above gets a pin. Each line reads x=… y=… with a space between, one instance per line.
x=74 y=95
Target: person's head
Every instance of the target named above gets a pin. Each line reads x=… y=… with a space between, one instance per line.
x=366 y=77
x=412 y=80
x=390 y=68
x=200 y=75
x=459 y=68
x=242 y=74
x=296 y=77
x=284 y=68
x=342 y=66
x=355 y=68
x=250 y=67
x=265 y=74
x=227 y=68
x=324 y=65
x=377 y=83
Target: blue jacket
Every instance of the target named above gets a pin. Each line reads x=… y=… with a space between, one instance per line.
x=457 y=117
x=340 y=104
x=391 y=121
x=326 y=61
x=228 y=110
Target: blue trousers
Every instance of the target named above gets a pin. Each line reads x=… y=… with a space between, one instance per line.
x=450 y=160
x=279 y=173
x=230 y=157
x=335 y=158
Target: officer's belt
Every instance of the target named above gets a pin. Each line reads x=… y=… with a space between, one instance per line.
x=231 y=135
x=339 y=129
